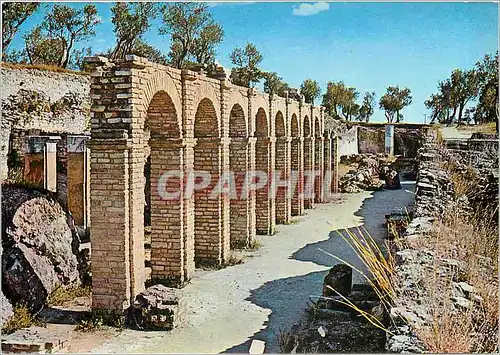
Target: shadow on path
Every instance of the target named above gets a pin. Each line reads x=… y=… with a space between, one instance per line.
x=288 y=298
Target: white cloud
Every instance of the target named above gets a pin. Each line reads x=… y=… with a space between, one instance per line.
x=306 y=9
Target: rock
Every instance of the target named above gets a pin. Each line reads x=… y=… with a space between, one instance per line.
x=462 y=302
x=392 y=181
x=158 y=308
x=404 y=344
x=38 y=253
x=340 y=279
x=7 y=310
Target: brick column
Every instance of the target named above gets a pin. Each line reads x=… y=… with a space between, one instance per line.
x=188 y=216
x=327 y=168
x=252 y=198
x=241 y=209
x=208 y=235
x=283 y=199
x=297 y=167
x=318 y=167
x=265 y=204
x=110 y=232
x=168 y=223
x=308 y=170
x=335 y=164
x=226 y=203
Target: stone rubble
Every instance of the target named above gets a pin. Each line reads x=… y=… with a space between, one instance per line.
x=434 y=194
x=158 y=308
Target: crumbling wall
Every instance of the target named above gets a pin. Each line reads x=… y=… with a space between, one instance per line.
x=371 y=139
x=38 y=102
x=348 y=142
x=407 y=141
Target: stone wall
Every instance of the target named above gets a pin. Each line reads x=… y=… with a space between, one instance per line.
x=436 y=195
x=37 y=102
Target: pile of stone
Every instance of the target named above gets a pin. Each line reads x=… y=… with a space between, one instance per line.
x=434 y=195
x=39 y=248
x=158 y=308
x=369 y=172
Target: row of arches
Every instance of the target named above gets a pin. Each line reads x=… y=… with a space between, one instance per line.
x=168 y=141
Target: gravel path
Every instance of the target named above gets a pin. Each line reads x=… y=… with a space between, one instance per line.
x=230 y=307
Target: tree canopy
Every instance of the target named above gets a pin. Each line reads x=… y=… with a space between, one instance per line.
x=274 y=84
x=194 y=33
x=393 y=101
x=14 y=14
x=310 y=89
x=478 y=85
x=246 y=71
x=131 y=21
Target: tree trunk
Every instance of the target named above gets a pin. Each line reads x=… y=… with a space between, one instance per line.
x=460 y=111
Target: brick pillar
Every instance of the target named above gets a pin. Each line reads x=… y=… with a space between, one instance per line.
x=308 y=171
x=327 y=168
x=208 y=234
x=136 y=219
x=168 y=254
x=297 y=167
x=335 y=164
x=110 y=231
x=283 y=199
x=252 y=198
x=265 y=204
x=188 y=217
x=226 y=203
x=318 y=167
x=241 y=209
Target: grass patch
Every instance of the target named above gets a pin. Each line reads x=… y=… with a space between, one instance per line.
x=43 y=67
x=61 y=294
x=22 y=318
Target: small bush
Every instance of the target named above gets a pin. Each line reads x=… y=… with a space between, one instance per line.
x=61 y=294
x=22 y=318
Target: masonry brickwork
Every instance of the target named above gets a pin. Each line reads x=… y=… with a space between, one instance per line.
x=185 y=121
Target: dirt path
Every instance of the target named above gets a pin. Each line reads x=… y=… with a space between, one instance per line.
x=230 y=307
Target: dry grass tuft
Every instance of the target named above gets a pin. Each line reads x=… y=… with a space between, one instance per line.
x=43 y=67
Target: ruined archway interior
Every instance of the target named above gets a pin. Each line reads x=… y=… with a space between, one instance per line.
x=161 y=122
x=208 y=209
x=238 y=161
x=262 y=164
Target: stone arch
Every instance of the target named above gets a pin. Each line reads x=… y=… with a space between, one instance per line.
x=261 y=124
x=308 y=186
x=239 y=155
x=317 y=127
x=161 y=83
x=237 y=122
x=306 y=128
x=264 y=216
x=206 y=122
x=208 y=243
x=282 y=166
x=294 y=126
x=162 y=130
x=280 y=127
x=296 y=160
x=318 y=161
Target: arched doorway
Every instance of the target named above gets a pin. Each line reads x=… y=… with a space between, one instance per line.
x=281 y=158
x=241 y=234
x=318 y=162
x=308 y=182
x=296 y=160
x=164 y=154
x=208 y=243
x=264 y=209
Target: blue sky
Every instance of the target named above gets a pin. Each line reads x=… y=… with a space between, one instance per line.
x=367 y=45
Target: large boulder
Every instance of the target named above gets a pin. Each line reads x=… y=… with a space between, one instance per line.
x=38 y=247
x=158 y=308
x=7 y=310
